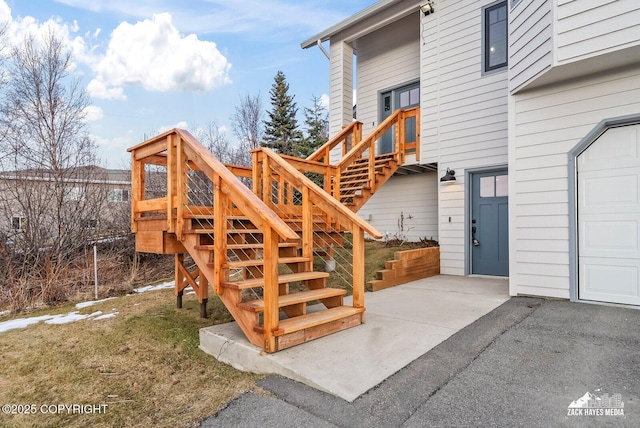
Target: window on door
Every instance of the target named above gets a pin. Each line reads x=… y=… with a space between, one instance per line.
x=401 y=98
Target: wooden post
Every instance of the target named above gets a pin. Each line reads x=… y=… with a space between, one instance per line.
x=181 y=188
x=171 y=182
x=417 y=116
x=307 y=228
x=255 y=173
x=219 y=234
x=137 y=189
x=357 y=133
x=401 y=128
x=271 y=311
x=372 y=164
x=358 y=267
x=266 y=181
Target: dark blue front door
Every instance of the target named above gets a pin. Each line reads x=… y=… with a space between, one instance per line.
x=490 y=224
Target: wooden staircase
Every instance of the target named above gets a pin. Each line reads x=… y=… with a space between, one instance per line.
x=354 y=187
x=253 y=234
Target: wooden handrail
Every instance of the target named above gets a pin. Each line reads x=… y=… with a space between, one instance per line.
x=241 y=196
x=354 y=129
x=253 y=207
x=319 y=197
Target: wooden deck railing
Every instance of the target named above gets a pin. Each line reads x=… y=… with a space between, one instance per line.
x=353 y=147
x=348 y=137
x=290 y=193
x=295 y=197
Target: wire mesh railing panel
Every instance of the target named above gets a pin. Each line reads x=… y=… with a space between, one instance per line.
x=332 y=249
x=242 y=240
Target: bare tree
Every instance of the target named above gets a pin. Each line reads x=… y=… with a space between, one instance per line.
x=48 y=195
x=215 y=141
x=247 y=121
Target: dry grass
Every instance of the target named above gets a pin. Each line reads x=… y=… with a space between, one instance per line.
x=144 y=363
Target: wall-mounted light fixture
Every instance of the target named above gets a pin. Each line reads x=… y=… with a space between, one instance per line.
x=427 y=8
x=448 y=176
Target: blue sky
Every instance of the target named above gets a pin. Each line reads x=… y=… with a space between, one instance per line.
x=150 y=65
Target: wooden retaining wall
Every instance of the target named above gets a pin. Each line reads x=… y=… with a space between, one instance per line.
x=408 y=266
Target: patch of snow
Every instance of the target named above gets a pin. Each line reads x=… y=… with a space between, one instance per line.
x=162 y=286
x=22 y=322
x=106 y=316
x=70 y=317
x=189 y=292
x=3 y=313
x=92 y=302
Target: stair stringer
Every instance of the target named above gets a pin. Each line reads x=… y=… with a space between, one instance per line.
x=389 y=168
x=245 y=320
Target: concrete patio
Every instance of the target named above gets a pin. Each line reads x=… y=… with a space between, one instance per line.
x=401 y=324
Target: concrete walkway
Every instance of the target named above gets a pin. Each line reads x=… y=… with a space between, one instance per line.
x=525 y=364
x=401 y=324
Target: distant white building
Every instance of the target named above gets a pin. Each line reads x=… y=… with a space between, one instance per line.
x=535 y=104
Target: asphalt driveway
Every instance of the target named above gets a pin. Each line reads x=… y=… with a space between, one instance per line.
x=522 y=364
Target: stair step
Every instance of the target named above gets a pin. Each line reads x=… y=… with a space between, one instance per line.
x=198 y=216
x=294 y=299
x=229 y=231
x=282 y=279
x=257 y=246
x=291 y=325
x=260 y=262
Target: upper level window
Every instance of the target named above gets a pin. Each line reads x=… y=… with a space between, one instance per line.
x=494 y=20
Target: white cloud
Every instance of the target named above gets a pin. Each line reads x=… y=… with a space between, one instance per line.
x=324 y=101
x=182 y=125
x=152 y=53
x=98 y=89
x=93 y=113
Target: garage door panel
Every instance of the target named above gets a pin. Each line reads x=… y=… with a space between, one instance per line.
x=616 y=148
x=609 y=192
x=605 y=235
x=610 y=282
x=609 y=218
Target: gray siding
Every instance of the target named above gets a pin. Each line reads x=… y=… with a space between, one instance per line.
x=546 y=124
x=586 y=28
x=464 y=114
x=530 y=41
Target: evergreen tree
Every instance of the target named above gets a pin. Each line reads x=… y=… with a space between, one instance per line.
x=317 y=126
x=281 y=131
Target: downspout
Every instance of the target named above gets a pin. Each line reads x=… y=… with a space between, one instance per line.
x=324 y=51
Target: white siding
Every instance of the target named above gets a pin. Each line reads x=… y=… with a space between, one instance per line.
x=414 y=196
x=341 y=90
x=386 y=58
x=588 y=28
x=530 y=41
x=546 y=124
x=464 y=114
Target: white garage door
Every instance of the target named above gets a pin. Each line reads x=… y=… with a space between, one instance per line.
x=609 y=217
